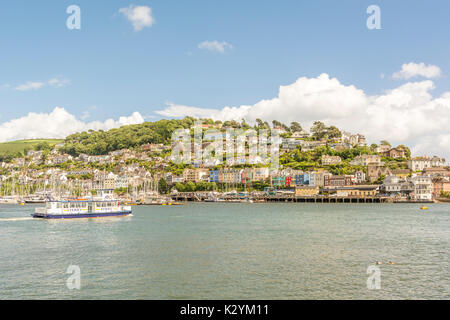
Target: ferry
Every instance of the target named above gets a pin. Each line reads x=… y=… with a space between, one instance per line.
x=104 y=205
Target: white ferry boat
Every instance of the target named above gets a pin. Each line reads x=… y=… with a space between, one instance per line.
x=105 y=205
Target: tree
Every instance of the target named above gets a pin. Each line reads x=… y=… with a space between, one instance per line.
x=244 y=125
x=333 y=132
x=44 y=145
x=295 y=126
x=163 y=187
x=318 y=130
x=384 y=142
x=277 y=123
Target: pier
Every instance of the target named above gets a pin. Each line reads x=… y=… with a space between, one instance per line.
x=201 y=197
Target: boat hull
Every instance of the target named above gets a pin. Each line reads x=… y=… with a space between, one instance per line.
x=80 y=216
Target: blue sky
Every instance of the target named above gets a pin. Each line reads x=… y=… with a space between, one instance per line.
x=107 y=69
x=274 y=42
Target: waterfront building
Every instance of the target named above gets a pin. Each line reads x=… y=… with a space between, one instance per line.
x=195 y=175
x=101 y=180
x=289 y=172
x=282 y=181
x=356 y=191
x=317 y=177
x=214 y=176
x=230 y=175
x=189 y=175
x=423 y=188
x=122 y=181
x=396 y=186
x=440 y=185
x=247 y=175
x=360 y=177
x=260 y=174
x=312 y=179
x=306 y=191
x=338 y=181
x=302 y=179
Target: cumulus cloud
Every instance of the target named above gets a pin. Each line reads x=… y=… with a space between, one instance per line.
x=57 y=124
x=408 y=114
x=215 y=46
x=139 y=16
x=411 y=70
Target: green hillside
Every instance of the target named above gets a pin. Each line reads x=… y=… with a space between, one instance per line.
x=101 y=142
x=13 y=149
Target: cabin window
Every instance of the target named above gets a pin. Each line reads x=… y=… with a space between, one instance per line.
x=66 y=205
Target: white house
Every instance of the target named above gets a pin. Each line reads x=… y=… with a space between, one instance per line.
x=419 y=163
x=423 y=187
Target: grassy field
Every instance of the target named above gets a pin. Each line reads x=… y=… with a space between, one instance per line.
x=21 y=145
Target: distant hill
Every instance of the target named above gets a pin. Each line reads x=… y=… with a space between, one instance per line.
x=17 y=148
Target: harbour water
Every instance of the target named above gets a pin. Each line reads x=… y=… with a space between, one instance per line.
x=230 y=251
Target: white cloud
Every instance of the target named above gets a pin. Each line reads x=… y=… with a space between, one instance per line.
x=57 y=124
x=30 y=86
x=57 y=82
x=85 y=115
x=139 y=16
x=411 y=70
x=215 y=46
x=408 y=114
